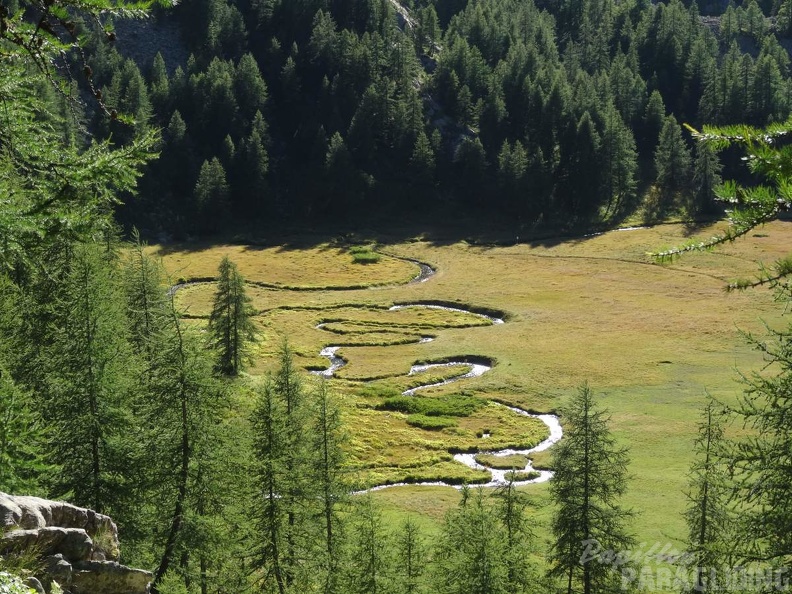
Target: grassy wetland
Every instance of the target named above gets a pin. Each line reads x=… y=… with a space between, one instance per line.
x=650 y=338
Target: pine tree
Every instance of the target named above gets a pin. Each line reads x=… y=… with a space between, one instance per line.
x=707 y=514
x=328 y=439
x=88 y=381
x=230 y=323
x=411 y=557
x=591 y=476
x=471 y=553
x=672 y=157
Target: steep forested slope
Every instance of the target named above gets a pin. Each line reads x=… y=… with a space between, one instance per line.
x=541 y=111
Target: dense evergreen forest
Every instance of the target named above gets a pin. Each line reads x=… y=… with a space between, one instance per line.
x=561 y=112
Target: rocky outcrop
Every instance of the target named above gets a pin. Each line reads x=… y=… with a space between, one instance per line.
x=78 y=547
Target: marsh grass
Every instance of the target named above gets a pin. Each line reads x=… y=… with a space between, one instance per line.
x=503 y=462
x=364 y=255
x=649 y=338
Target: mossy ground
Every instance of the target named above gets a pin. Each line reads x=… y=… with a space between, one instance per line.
x=649 y=338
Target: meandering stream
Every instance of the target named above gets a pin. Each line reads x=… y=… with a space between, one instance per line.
x=477 y=369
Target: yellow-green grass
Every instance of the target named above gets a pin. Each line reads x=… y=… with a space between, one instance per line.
x=326 y=266
x=649 y=339
x=502 y=462
x=389 y=450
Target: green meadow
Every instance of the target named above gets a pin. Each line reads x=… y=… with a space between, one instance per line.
x=649 y=338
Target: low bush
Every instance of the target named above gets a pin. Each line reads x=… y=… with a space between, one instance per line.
x=364 y=255
x=522 y=475
x=454 y=405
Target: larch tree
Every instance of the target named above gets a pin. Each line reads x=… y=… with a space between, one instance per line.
x=470 y=555
x=285 y=495
x=368 y=569
x=327 y=439
x=707 y=514
x=230 y=323
x=88 y=380
x=411 y=558
x=590 y=478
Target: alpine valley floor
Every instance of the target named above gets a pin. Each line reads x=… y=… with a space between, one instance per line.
x=649 y=338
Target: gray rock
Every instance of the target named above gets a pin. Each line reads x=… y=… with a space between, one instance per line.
x=57 y=569
x=32 y=513
x=73 y=543
x=109 y=577
x=34 y=584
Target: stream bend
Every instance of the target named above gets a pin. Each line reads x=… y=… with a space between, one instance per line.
x=498 y=477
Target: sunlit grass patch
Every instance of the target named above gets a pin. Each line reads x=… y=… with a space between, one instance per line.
x=364 y=255
x=321 y=266
x=502 y=462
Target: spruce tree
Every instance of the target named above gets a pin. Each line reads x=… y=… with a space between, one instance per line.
x=230 y=325
x=211 y=196
x=706 y=176
x=672 y=157
x=591 y=476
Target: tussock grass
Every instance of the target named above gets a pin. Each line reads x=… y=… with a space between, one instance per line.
x=431 y=423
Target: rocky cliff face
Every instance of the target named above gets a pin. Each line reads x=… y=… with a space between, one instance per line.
x=78 y=547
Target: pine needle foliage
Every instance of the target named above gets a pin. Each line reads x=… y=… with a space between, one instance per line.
x=591 y=477
x=230 y=323
x=707 y=514
x=768 y=156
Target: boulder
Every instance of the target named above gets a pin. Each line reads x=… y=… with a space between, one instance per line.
x=57 y=569
x=34 y=513
x=73 y=543
x=109 y=577
x=34 y=584
x=77 y=546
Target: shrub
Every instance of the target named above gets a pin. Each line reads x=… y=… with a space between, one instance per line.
x=11 y=584
x=454 y=405
x=364 y=255
x=522 y=475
